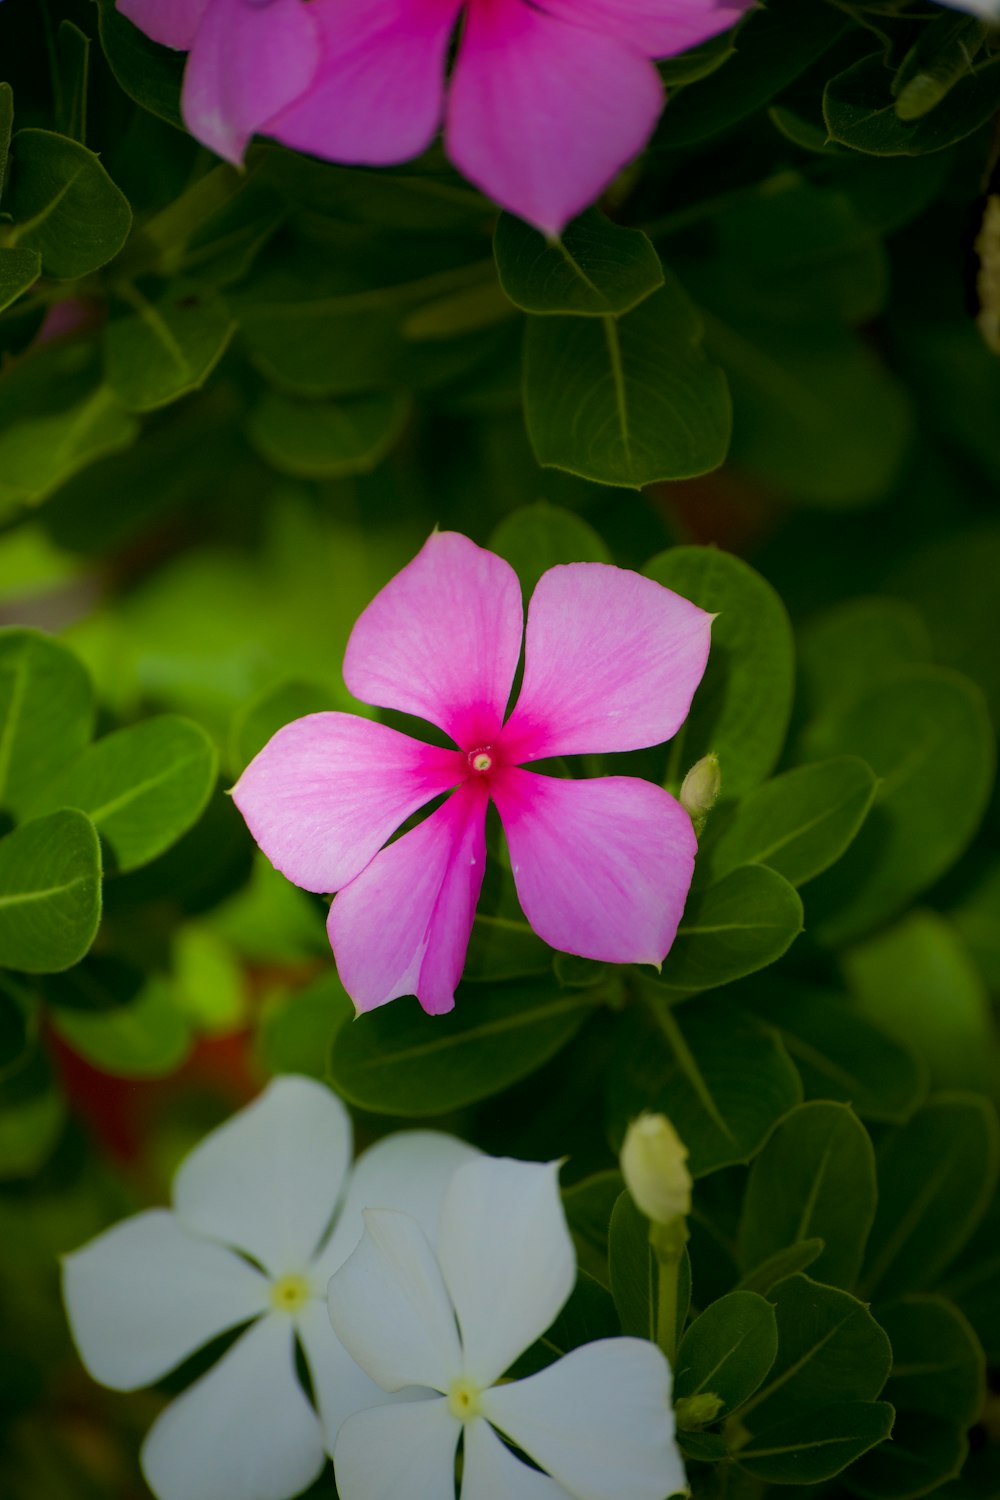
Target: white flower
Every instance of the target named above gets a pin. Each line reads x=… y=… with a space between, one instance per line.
x=598 y=1421
x=247 y=1239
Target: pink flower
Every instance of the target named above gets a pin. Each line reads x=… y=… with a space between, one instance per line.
x=602 y=867
x=545 y=104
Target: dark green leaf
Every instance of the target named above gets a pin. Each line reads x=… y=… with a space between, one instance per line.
x=782 y=1263
x=262 y=716
x=393 y=1062
x=799 y=823
x=540 y=536
x=815 y=1447
x=296 y=1031
x=50 y=893
x=927 y=735
x=19 y=1018
x=6 y=126
x=504 y=948
x=64 y=204
x=327 y=439
x=149 y=74
x=32 y=1116
x=741 y=708
x=925 y=1452
x=728 y=1350
x=143 y=786
x=46 y=714
x=19 y=269
x=839 y=1054
x=861 y=112
x=850 y=648
x=722 y=1080
x=634 y=1273
x=146 y=1038
x=973 y=1281
x=626 y=401
x=73 y=51
x=938 y=1365
x=815 y=1178
x=594 y=267
x=588 y=1206
x=936 y=1176
x=742 y=923
x=164 y=349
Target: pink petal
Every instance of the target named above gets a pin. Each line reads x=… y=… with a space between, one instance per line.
x=611 y=662
x=542 y=114
x=379 y=91
x=442 y=640
x=173 y=24
x=247 y=62
x=602 y=867
x=402 y=927
x=658 y=28
x=326 y=792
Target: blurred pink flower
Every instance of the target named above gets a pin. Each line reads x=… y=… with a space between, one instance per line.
x=602 y=867
x=545 y=103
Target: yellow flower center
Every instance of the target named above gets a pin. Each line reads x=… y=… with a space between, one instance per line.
x=481 y=760
x=463 y=1399
x=289 y=1294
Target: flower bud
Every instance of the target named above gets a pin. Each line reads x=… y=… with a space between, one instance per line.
x=700 y=790
x=694 y=1412
x=653 y=1163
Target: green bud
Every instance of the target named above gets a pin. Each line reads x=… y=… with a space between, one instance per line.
x=654 y=1165
x=692 y=1412
x=700 y=790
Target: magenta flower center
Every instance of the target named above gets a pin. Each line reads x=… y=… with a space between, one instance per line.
x=481 y=760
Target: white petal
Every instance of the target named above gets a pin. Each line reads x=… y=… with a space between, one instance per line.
x=145 y=1294
x=405 y=1451
x=507 y=1258
x=267 y=1181
x=340 y=1386
x=599 y=1421
x=244 y=1431
x=409 y=1172
x=389 y=1306
x=491 y=1472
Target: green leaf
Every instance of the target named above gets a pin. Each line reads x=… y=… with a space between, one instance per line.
x=143 y=786
x=149 y=74
x=782 y=1263
x=626 y=401
x=813 y=1448
x=46 y=714
x=839 y=1054
x=722 y=1080
x=925 y=1452
x=594 y=267
x=393 y=1062
x=6 y=126
x=32 y=1116
x=852 y=647
x=19 y=1025
x=148 y=1036
x=927 y=735
x=50 y=893
x=164 y=349
x=815 y=1178
x=916 y=981
x=936 y=1176
x=830 y=1349
x=742 y=705
x=504 y=948
x=73 y=59
x=973 y=1281
x=19 y=269
x=327 y=439
x=860 y=110
x=537 y=537
x=589 y=1206
x=262 y=716
x=297 y=1031
x=728 y=1350
x=209 y=984
x=938 y=1365
x=742 y=923
x=64 y=204
x=799 y=823
x=634 y=1274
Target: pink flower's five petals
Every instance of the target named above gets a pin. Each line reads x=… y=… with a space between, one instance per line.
x=542 y=113
x=602 y=868
x=248 y=61
x=402 y=927
x=326 y=792
x=442 y=640
x=172 y=24
x=378 y=94
x=658 y=28
x=611 y=662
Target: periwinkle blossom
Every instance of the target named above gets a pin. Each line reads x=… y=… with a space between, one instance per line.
x=440 y=1325
x=601 y=866
x=546 y=101
x=248 y=1241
